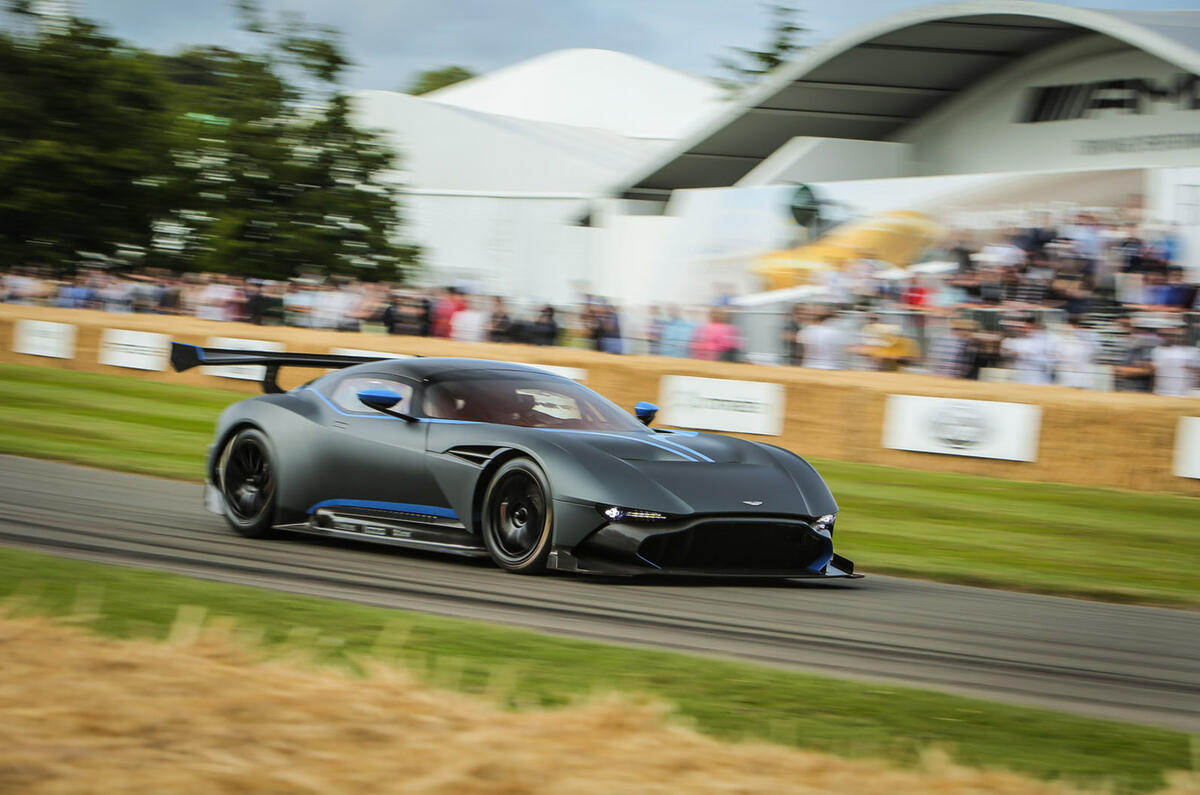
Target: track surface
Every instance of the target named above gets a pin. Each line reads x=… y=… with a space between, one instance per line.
x=1129 y=663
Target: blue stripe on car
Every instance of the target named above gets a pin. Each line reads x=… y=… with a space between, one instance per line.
x=700 y=455
x=402 y=507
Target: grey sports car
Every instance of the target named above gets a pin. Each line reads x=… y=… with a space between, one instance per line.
x=531 y=469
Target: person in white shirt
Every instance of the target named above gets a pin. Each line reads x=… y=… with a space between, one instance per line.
x=469 y=324
x=1002 y=253
x=1077 y=350
x=824 y=344
x=213 y=301
x=1176 y=365
x=1031 y=354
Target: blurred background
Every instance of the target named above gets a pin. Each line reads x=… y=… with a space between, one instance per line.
x=1022 y=202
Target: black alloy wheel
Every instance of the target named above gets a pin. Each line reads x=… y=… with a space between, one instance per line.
x=247 y=483
x=517 y=517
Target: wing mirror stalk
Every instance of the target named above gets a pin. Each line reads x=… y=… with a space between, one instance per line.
x=645 y=411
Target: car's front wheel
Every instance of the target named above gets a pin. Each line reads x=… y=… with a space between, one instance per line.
x=517 y=517
x=246 y=479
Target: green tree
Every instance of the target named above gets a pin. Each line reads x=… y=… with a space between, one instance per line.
x=433 y=79
x=277 y=177
x=82 y=135
x=206 y=160
x=746 y=65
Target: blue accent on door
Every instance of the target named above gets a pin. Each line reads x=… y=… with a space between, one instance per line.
x=403 y=507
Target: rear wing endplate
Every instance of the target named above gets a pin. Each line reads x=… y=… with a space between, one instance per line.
x=185 y=357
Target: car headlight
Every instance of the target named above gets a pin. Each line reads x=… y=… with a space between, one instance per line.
x=615 y=513
x=824 y=524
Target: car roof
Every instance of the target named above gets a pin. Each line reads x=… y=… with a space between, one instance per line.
x=434 y=368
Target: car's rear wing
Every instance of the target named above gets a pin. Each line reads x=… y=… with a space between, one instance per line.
x=185 y=357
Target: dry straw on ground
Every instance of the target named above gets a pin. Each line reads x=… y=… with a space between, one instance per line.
x=84 y=714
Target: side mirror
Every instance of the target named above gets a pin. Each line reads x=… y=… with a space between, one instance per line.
x=645 y=411
x=379 y=399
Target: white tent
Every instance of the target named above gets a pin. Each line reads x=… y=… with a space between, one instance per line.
x=606 y=90
x=496 y=170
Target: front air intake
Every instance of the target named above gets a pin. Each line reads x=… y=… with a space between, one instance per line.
x=738 y=546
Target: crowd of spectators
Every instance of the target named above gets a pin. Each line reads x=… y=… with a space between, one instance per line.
x=1083 y=304
x=337 y=304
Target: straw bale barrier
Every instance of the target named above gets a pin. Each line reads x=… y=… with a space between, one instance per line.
x=86 y=714
x=1116 y=440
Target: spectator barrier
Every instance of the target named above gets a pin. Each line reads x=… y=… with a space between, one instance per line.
x=1116 y=440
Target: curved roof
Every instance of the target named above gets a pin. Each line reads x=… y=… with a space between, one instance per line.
x=872 y=82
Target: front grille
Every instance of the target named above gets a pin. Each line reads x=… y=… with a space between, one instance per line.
x=736 y=546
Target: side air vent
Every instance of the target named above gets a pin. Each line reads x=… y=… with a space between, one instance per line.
x=473 y=455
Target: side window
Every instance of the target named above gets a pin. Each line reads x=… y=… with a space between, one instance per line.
x=345 y=396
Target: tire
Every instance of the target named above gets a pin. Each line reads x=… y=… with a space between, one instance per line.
x=246 y=480
x=517 y=517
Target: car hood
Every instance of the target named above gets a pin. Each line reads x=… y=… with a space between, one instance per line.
x=675 y=474
x=710 y=474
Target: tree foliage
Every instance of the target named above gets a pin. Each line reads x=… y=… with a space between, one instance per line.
x=82 y=133
x=208 y=159
x=744 y=65
x=434 y=79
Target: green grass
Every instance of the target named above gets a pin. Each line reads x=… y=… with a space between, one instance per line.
x=109 y=421
x=523 y=668
x=1046 y=538
x=1042 y=537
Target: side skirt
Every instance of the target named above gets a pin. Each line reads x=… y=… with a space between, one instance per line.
x=377 y=528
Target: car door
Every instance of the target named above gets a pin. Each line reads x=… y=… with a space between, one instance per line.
x=375 y=460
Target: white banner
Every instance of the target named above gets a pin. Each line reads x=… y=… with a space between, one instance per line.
x=718 y=404
x=137 y=350
x=975 y=428
x=1187 y=448
x=243 y=372
x=43 y=338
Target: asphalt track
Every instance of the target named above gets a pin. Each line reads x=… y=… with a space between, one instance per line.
x=1137 y=664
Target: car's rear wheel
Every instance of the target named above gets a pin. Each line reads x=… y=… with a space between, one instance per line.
x=517 y=517
x=246 y=478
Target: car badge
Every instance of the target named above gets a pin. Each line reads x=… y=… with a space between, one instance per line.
x=752 y=502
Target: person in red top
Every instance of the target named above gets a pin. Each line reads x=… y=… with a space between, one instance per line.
x=449 y=303
x=915 y=294
x=718 y=339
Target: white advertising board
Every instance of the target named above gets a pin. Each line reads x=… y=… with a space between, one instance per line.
x=137 y=350
x=243 y=372
x=574 y=373
x=43 y=338
x=1187 y=448
x=975 y=428
x=718 y=404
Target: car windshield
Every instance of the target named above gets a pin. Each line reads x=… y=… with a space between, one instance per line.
x=513 y=397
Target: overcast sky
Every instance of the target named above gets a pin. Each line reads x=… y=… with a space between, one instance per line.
x=391 y=40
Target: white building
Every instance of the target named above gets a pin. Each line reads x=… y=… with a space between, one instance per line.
x=499 y=169
x=1095 y=102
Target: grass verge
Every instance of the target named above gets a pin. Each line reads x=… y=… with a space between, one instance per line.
x=1045 y=538
x=724 y=699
